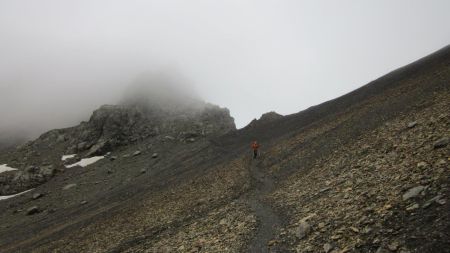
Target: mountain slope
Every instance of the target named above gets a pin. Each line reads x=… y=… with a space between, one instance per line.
x=332 y=177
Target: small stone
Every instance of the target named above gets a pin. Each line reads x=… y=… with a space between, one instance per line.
x=336 y=237
x=327 y=247
x=413 y=192
x=223 y=221
x=143 y=171
x=412 y=207
x=325 y=189
x=441 y=143
x=154 y=155
x=354 y=229
x=168 y=137
x=67 y=187
x=84 y=202
x=303 y=229
x=272 y=243
x=321 y=225
x=109 y=171
x=422 y=165
x=33 y=210
x=393 y=246
x=441 y=201
x=37 y=195
x=137 y=153
x=412 y=124
x=367 y=230
x=112 y=158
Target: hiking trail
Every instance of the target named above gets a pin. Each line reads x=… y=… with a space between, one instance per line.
x=268 y=221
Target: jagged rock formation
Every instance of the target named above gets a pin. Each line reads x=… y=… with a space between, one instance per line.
x=366 y=172
x=112 y=126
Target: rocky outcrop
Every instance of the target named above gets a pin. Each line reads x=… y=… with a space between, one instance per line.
x=14 y=182
x=112 y=126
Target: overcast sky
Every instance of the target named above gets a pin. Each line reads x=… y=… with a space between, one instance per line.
x=61 y=59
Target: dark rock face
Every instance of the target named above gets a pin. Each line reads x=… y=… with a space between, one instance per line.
x=116 y=125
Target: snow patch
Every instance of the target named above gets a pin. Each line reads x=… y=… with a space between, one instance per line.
x=65 y=157
x=14 y=195
x=4 y=167
x=86 y=161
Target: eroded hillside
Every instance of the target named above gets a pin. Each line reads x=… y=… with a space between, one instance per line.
x=366 y=172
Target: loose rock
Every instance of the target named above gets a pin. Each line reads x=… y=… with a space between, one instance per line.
x=327 y=247
x=412 y=124
x=422 y=165
x=413 y=192
x=441 y=143
x=393 y=246
x=67 y=187
x=33 y=210
x=37 y=195
x=303 y=229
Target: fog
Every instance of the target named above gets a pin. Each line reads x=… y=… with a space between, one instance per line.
x=59 y=60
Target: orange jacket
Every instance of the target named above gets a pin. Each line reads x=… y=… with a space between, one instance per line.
x=255 y=146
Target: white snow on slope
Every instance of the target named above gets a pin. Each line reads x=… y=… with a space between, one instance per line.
x=65 y=157
x=86 y=161
x=14 y=195
x=4 y=167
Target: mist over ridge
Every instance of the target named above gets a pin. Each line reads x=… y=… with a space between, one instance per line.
x=61 y=60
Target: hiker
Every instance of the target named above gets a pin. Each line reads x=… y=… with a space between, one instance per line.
x=255 y=147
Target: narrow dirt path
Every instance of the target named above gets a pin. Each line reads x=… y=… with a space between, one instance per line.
x=268 y=221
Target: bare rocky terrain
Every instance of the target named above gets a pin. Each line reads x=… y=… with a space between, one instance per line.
x=365 y=172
